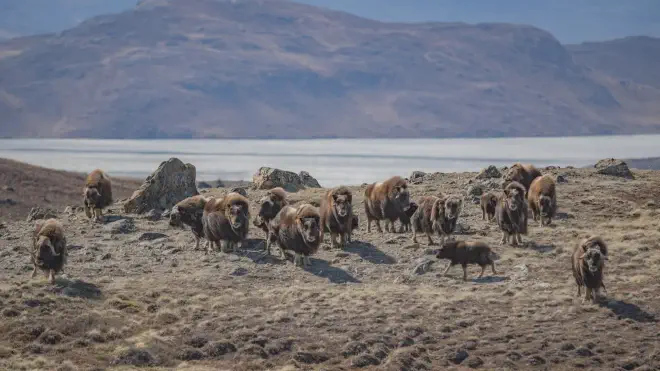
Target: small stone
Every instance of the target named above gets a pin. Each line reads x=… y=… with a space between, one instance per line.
x=68 y=210
x=234 y=258
x=561 y=179
x=341 y=254
x=489 y=172
x=584 y=352
x=614 y=167
x=354 y=348
x=458 y=357
x=365 y=360
x=310 y=358
x=470 y=345
x=121 y=226
x=567 y=347
x=422 y=265
x=475 y=362
x=150 y=236
x=475 y=190
x=536 y=361
x=106 y=256
x=240 y=190
x=239 y=272
x=153 y=215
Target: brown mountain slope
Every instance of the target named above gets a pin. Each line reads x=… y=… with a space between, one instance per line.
x=204 y=68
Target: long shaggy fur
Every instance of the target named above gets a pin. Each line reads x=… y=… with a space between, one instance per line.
x=511 y=213
x=190 y=212
x=226 y=220
x=523 y=174
x=436 y=214
x=387 y=201
x=542 y=199
x=49 y=251
x=405 y=218
x=336 y=211
x=297 y=229
x=588 y=263
x=488 y=204
x=269 y=205
x=97 y=194
x=464 y=253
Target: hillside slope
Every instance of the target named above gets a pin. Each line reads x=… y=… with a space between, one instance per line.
x=206 y=68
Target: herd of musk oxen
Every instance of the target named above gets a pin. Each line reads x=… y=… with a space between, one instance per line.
x=224 y=222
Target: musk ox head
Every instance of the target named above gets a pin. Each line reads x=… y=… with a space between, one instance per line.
x=175 y=217
x=453 y=206
x=594 y=259
x=237 y=214
x=514 y=194
x=341 y=204
x=45 y=247
x=545 y=205
x=492 y=200
x=92 y=195
x=401 y=195
x=411 y=210
x=513 y=174
x=447 y=251
x=308 y=223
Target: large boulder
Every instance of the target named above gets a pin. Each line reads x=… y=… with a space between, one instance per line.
x=417 y=177
x=614 y=167
x=308 y=180
x=489 y=172
x=269 y=178
x=172 y=182
x=37 y=213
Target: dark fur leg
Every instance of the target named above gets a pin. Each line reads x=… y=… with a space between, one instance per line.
x=464 y=272
x=51 y=276
x=428 y=235
x=368 y=225
x=483 y=268
x=333 y=240
x=196 y=243
x=342 y=240
x=34 y=271
x=447 y=269
x=483 y=214
x=492 y=267
x=88 y=211
x=414 y=236
x=505 y=238
x=380 y=230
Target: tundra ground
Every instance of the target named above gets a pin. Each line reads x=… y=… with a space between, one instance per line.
x=137 y=294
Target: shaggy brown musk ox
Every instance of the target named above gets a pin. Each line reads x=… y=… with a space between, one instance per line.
x=436 y=214
x=511 y=213
x=190 y=212
x=226 y=221
x=297 y=229
x=464 y=253
x=49 y=252
x=269 y=205
x=386 y=201
x=523 y=174
x=336 y=212
x=488 y=204
x=588 y=262
x=97 y=194
x=405 y=218
x=542 y=199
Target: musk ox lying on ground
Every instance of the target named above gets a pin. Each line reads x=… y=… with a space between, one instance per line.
x=226 y=221
x=336 y=211
x=464 y=253
x=190 y=212
x=511 y=213
x=542 y=199
x=523 y=174
x=97 y=194
x=405 y=218
x=386 y=201
x=488 y=204
x=49 y=252
x=297 y=229
x=436 y=214
x=588 y=262
x=269 y=205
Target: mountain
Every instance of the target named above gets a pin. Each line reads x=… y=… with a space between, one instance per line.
x=277 y=69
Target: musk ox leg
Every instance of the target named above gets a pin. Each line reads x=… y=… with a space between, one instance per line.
x=464 y=272
x=447 y=269
x=196 y=243
x=579 y=290
x=492 y=267
x=368 y=225
x=483 y=269
x=306 y=261
x=88 y=211
x=428 y=235
x=483 y=214
x=34 y=271
x=98 y=214
x=297 y=259
x=333 y=240
x=282 y=254
x=380 y=230
x=414 y=236
x=342 y=240
x=520 y=241
x=51 y=276
x=505 y=238
x=588 y=295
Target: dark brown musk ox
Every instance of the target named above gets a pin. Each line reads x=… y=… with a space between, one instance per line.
x=542 y=199
x=523 y=174
x=386 y=201
x=467 y=252
x=488 y=204
x=49 y=251
x=336 y=211
x=436 y=214
x=297 y=229
x=269 y=205
x=511 y=213
x=588 y=263
x=97 y=194
x=226 y=221
x=190 y=212
x=405 y=218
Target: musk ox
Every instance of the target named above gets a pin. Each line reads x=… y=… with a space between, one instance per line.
x=407 y=215
x=523 y=174
x=49 y=252
x=436 y=214
x=336 y=212
x=97 y=194
x=511 y=213
x=297 y=229
x=466 y=252
x=386 y=201
x=488 y=205
x=226 y=221
x=588 y=262
x=269 y=205
x=542 y=199
x=190 y=212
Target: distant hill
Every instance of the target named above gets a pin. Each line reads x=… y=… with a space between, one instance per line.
x=277 y=69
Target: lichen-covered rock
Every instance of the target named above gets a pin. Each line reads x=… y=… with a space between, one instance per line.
x=490 y=172
x=269 y=178
x=37 y=213
x=121 y=226
x=172 y=182
x=417 y=176
x=308 y=180
x=614 y=167
x=240 y=190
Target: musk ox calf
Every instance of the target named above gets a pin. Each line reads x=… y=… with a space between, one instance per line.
x=386 y=201
x=336 y=211
x=542 y=199
x=436 y=214
x=588 y=262
x=97 y=194
x=511 y=213
x=190 y=212
x=464 y=253
x=269 y=205
x=523 y=174
x=297 y=229
x=407 y=215
x=226 y=221
x=488 y=205
x=49 y=252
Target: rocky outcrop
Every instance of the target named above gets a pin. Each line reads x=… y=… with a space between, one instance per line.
x=489 y=172
x=268 y=178
x=172 y=182
x=614 y=167
x=37 y=213
x=240 y=190
x=308 y=180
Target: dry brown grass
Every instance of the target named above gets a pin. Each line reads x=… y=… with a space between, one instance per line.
x=161 y=304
